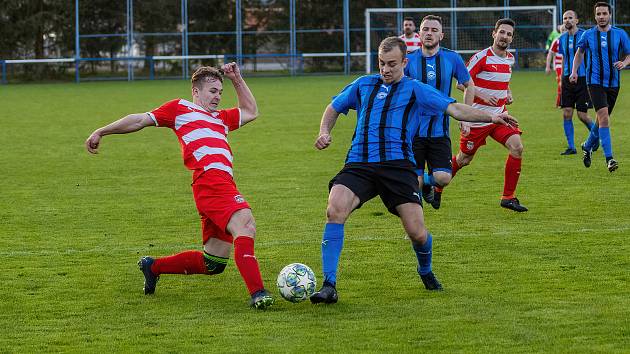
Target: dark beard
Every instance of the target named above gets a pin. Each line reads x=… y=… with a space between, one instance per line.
x=430 y=47
x=502 y=47
x=568 y=27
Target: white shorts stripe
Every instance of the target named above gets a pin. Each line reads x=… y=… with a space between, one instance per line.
x=206 y=150
x=202 y=133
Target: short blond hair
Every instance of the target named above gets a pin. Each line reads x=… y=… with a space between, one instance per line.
x=388 y=44
x=204 y=74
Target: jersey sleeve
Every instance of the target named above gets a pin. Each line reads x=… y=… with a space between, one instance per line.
x=475 y=64
x=461 y=72
x=433 y=102
x=231 y=117
x=582 y=41
x=347 y=98
x=625 y=44
x=164 y=116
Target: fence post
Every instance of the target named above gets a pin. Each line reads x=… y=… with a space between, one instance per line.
x=151 y=68
x=4 y=72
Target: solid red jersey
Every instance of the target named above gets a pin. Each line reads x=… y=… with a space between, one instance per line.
x=491 y=75
x=201 y=134
x=413 y=43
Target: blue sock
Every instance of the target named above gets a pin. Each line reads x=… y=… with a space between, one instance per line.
x=428 y=180
x=604 y=133
x=568 y=132
x=424 y=253
x=332 y=243
x=593 y=136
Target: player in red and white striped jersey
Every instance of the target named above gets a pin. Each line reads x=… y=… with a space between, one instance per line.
x=557 y=65
x=410 y=36
x=226 y=218
x=491 y=70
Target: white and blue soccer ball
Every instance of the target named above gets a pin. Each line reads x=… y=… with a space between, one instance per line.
x=296 y=282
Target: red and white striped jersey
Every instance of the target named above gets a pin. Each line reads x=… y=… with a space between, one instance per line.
x=201 y=134
x=412 y=43
x=557 y=59
x=491 y=75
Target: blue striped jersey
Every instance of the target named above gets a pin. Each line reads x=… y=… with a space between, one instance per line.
x=388 y=116
x=437 y=71
x=605 y=48
x=567 y=46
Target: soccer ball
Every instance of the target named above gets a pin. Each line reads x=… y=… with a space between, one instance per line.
x=296 y=282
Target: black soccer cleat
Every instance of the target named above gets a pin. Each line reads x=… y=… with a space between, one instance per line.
x=427 y=193
x=568 y=151
x=612 y=165
x=430 y=282
x=150 y=279
x=261 y=300
x=513 y=204
x=586 y=156
x=327 y=294
x=437 y=200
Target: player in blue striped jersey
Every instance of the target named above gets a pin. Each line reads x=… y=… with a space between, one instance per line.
x=609 y=53
x=380 y=160
x=573 y=95
x=437 y=67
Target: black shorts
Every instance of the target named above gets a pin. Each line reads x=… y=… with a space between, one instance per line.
x=394 y=181
x=574 y=95
x=603 y=97
x=435 y=152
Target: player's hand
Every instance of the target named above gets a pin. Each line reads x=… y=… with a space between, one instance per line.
x=493 y=100
x=505 y=119
x=464 y=128
x=231 y=71
x=573 y=78
x=547 y=70
x=619 y=65
x=323 y=140
x=92 y=142
x=509 y=99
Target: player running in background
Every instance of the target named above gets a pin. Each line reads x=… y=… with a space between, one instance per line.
x=410 y=36
x=226 y=218
x=608 y=51
x=553 y=55
x=574 y=95
x=380 y=160
x=436 y=66
x=491 y=70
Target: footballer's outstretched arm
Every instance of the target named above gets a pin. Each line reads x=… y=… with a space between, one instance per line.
x=328 y=122
x=246 y=100
x=129 y=124
x=464 y=112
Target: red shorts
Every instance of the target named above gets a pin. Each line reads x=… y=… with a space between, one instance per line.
x=477 y=138
x=217 y=200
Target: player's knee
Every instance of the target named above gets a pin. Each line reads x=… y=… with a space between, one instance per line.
x=215 y=265
x=442 y=179
x=516 y=149
x=337 y=214
x=464 y=160
x=419 y=236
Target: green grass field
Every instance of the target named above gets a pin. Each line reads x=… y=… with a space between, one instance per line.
x=72 y=226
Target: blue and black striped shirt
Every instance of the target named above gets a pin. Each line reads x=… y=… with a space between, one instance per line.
x=567 y=46
x=605 y=48
x=437 y=71
x=388 y=116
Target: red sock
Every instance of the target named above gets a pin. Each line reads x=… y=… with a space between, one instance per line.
x=512 y=173
x=187 y=262
x=247 y=263
x=454 y=166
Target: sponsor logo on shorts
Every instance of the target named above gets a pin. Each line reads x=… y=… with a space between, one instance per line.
x=470 y=145
x=239 y=198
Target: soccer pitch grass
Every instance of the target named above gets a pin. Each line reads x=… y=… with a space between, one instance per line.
x=72 y=227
